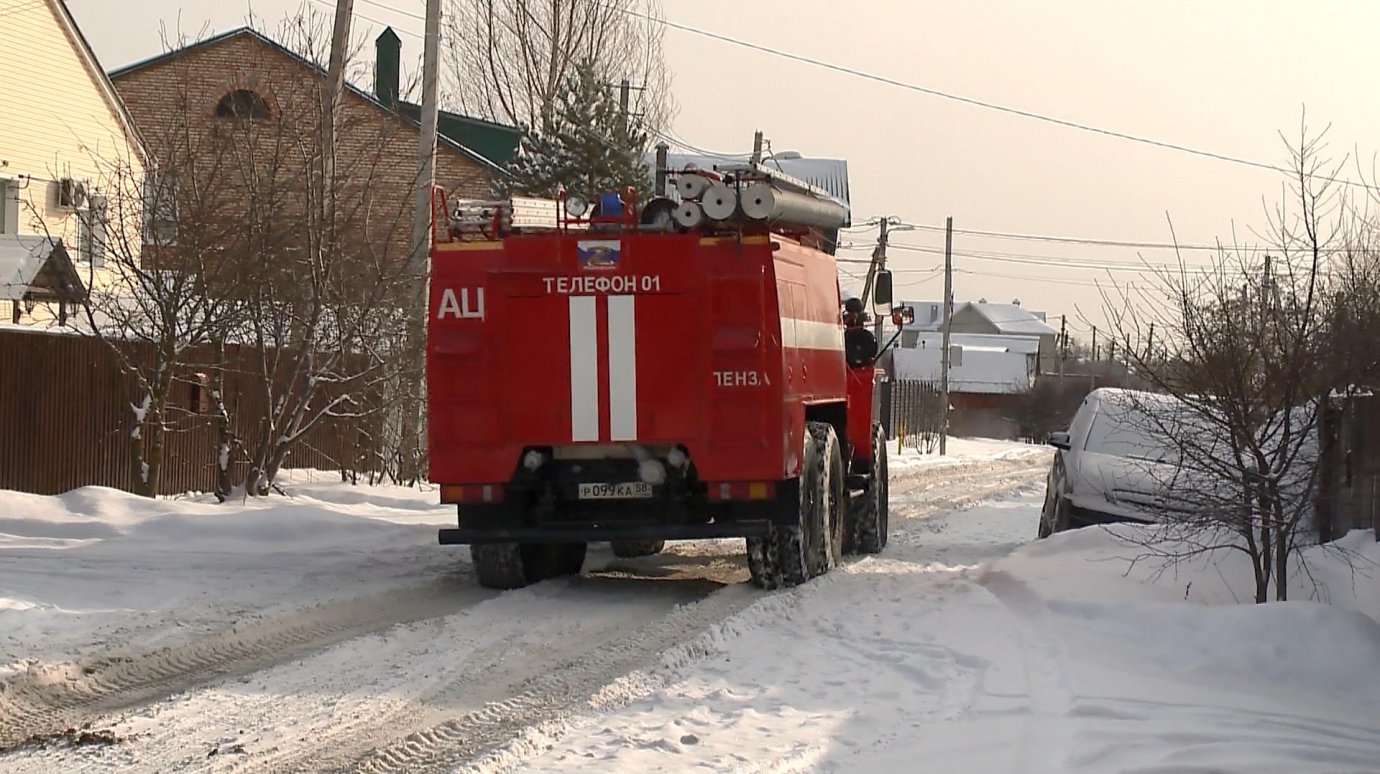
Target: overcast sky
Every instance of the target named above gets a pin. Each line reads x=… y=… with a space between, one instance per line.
x=1226 y=76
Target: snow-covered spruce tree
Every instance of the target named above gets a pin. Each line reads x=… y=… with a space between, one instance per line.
x=589 y=146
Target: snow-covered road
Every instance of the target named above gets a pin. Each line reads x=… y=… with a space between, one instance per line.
x=964 y=647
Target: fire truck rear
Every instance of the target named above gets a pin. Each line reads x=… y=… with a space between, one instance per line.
x=677 y=371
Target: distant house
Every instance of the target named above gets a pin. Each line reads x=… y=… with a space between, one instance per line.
x=61 y=126
x=985 y=318
x=988 y=375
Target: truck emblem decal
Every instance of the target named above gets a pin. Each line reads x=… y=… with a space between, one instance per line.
x=621 y=362
x=599 y=254
x=461 y=308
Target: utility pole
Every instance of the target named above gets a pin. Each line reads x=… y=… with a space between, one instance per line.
x=948 y=314
x=1063 y=345
x=1094 y=344
x=624 y=94
x=426 y=151
x=878 y=265
x=1150 y=344
x=335 y=85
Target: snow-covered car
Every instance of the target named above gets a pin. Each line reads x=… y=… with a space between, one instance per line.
x=1114 y=463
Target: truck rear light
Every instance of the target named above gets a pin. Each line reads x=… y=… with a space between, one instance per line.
x=756 y=490
x=471 y=493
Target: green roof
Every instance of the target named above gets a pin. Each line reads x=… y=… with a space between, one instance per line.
x=495 y=142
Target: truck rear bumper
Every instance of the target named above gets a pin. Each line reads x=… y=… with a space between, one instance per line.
x=584 y=533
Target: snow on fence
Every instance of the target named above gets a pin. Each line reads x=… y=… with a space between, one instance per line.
x=65 y=418
x=1349 y=472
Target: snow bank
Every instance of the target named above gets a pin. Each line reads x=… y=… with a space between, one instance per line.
x=98 y=568
x=962 y=451
x=967 y=646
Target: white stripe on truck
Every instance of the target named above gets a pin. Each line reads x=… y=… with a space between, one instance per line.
x=809 y=334
x=622 y=369
x=584 y=369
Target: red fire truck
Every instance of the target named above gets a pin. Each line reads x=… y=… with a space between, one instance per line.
x=676 y=371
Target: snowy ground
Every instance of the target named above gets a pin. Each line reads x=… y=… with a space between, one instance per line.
x=330 y=633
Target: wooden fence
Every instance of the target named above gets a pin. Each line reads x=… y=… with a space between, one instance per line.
x=65 y=419
x=1349 y=473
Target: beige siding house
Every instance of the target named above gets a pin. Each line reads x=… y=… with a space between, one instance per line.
x=69 y=159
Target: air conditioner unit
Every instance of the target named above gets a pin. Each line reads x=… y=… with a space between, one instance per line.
x=71 y=193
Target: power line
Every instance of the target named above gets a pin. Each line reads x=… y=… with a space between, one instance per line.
x=398 y=11
x=359 y=15
x=1071 y=240
x=977 y=102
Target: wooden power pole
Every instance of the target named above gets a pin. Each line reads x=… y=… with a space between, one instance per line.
x=948 y=314
x=426 y=150
x=335 y=86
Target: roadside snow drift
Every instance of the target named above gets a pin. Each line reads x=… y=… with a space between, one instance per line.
x=98 y=569
x=954 y=652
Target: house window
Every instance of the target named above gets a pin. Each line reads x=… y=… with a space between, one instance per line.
x=242 y=104
x=9 y=207
x=160 y=209
x=89 y=233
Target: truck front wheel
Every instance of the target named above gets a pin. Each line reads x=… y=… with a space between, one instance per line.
x=791 y=554
x=867 y=528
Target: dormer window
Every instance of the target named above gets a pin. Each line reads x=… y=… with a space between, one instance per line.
x=242 y=104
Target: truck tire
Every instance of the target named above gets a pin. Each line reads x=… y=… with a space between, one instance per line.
x=511 y=565
x=826 y=547
x=631 y=549
x=787 y=555
x=868 y=519
x=499 y=565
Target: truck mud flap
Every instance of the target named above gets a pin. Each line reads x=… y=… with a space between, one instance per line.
x=620 y=532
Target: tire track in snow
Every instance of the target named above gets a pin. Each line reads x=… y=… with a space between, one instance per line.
x=495 y=711
x=70 y=694
x=500 y=736
x=1044 y=744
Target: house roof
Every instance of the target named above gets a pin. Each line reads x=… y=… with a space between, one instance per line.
x=830 y=175
x=107 y=89
x=1006 y=318
x=1010 y=318
x=442 y=138
x=497 y=142
x=39 y=268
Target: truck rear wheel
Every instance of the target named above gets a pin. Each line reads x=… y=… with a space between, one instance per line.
x=868 y=519
x=513 y=565
x=790 y=555
x=631 y=549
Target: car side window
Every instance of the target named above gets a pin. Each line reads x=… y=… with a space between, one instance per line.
x=1082 y=423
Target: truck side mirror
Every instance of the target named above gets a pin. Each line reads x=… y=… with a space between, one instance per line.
x=881 y=293
x=1060 y=440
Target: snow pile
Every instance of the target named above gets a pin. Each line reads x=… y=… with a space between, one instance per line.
x=969 y=647
x=963 y=451
x=99 y=568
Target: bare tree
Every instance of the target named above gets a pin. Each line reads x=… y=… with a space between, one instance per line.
x=1241 y=367
x=162 y=227
x=329 y=299
x=510 y=59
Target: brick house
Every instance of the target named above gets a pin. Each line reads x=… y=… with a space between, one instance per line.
x=243 y=89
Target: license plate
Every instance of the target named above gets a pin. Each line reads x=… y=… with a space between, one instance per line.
x=622 y=491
